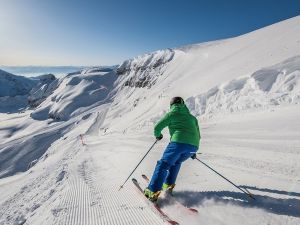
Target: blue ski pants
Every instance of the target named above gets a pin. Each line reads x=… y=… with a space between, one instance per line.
x=168 y=166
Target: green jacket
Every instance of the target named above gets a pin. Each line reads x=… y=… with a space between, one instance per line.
x=183 y=126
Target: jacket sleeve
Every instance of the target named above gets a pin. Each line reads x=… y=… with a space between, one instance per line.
x=160 y=125
x=197 y=126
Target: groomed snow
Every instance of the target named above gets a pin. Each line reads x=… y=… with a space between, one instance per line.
x=67 y=169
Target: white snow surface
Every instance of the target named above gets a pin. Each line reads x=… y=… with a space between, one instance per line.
x=13 y=85
x=265 y=88
x=45 y=87
x=74 y=93
x=64 y=162
x=18 y=92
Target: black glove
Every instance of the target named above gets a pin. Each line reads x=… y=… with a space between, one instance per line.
x=159 y=137
x=194 y=156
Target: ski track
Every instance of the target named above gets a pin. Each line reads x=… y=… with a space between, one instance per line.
x=91 y=197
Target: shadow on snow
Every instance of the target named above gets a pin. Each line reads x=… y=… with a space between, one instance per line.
x=281 y=206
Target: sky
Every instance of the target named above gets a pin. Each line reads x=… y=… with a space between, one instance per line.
x=107 y=32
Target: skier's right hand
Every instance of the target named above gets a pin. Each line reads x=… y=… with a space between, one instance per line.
x=159 y=137
x=194 y=156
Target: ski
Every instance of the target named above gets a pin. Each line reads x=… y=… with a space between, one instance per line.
x=154 y=205
x=192 y=210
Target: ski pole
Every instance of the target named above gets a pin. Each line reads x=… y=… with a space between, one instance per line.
x=246 y=192
x=138 y=164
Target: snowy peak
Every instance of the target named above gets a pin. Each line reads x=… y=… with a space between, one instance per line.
x=98 y=70
x=13 y=85
x=47 y=84
x=75 y=93
x=16 y=92
x=143 y=71
x=254 y=71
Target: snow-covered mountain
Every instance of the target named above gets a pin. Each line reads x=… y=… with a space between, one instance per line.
x=12 y=85
x=75 y=93
x=18 y=92
x=46 y=85
x=143 y=71
x=63 y=162
x=32 y=71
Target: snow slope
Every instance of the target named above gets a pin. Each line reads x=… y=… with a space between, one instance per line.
x=18 y=92
x=46 y=85
x=245 y=93
x=74 y=93
x=12 y=85
x=265 y=88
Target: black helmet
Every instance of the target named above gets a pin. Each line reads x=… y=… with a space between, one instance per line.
x=176 y=100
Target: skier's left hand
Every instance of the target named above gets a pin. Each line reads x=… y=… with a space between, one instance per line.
x=159 y=137
x=194 y=156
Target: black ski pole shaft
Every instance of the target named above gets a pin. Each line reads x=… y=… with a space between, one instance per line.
x=138 y=164
x=247 y=193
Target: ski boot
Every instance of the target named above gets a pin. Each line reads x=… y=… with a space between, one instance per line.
x=152 y=196
x=168 y=188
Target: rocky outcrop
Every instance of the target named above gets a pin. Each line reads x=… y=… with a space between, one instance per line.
x=144 y=70
x=45 y=87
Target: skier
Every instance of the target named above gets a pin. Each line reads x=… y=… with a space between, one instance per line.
x=184 y=143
